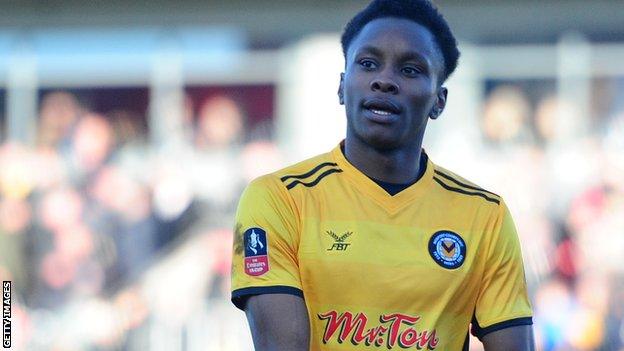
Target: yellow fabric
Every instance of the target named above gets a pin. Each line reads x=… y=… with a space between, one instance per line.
x=362 y=257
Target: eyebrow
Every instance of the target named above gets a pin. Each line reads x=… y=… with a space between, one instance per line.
x=404 y=56
x=372 y=49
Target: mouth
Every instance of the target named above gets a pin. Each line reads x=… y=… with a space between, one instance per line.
x=381 y=110
x=382 y=107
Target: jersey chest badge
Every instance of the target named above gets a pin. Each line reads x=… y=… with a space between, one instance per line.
x=256 y=257
x=447 y=249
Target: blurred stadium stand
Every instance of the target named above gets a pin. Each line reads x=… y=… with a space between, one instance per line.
x=129 y=129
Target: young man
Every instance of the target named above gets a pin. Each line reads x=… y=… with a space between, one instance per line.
x=372 y=245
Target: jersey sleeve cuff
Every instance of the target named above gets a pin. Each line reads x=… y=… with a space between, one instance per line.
x=240 y=296
x=480 y=332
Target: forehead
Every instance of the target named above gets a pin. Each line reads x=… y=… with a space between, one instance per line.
x=396 y=35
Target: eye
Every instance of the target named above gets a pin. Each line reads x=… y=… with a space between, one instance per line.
x=411 y=71
x=368 y=64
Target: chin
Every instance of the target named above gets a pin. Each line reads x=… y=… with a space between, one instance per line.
x=379 y=138
x=381 y=142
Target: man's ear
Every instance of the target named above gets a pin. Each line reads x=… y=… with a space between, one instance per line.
x=439 y=104
x=341 y=89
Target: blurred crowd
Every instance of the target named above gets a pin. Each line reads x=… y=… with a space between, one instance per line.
x=94 y=216
x=115 y=242
x=566 y=193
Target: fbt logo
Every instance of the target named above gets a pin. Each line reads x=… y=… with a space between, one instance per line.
x=339 y=241
x=339 y=247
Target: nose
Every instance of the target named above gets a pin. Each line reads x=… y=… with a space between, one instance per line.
x=384 y=85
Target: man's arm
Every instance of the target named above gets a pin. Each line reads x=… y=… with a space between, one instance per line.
x=266 y=282
x=278 y=322
x=518 y=338
x=503 y=316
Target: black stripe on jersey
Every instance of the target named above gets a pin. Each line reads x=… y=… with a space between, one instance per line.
x=309 y=173
x=462 y=191
x=480 y=332
x=316 y=181
x=444 y=175
x=240 y=296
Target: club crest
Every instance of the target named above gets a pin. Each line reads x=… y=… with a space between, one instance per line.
x=447 y=249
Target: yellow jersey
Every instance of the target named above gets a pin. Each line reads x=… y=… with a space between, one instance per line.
x=409 y=271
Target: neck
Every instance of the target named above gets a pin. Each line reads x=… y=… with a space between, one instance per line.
x=399 y=166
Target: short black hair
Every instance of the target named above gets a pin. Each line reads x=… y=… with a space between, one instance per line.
x=422 y=12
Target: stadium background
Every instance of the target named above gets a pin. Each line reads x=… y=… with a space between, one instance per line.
x=128 y=130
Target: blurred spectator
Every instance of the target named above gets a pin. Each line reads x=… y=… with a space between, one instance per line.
x=220 y=123
x=93 y=140
x=548 y=114
x=215 y=175
x=58 y=114
x=505 y=114
x=128 y=127
x=545 y=119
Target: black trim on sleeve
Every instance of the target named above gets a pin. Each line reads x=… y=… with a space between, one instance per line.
x=462 y=191
x=307 y=174
x=463 y=184
x=480 y=332
x=313 y=183
x=240 y=296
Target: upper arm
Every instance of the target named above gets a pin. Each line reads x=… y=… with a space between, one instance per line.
x=278 y=322
x=519 y=338
x=503 y=301
x=266 y=240
x=265 y=267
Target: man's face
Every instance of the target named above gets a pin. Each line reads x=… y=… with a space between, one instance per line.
x=390 y=85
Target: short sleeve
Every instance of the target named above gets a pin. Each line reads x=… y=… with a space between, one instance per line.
x=266 y=238
x=503 y=299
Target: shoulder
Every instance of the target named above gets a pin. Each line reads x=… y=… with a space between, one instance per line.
x=461 y=188
x=306 y=173
x=467 y=201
